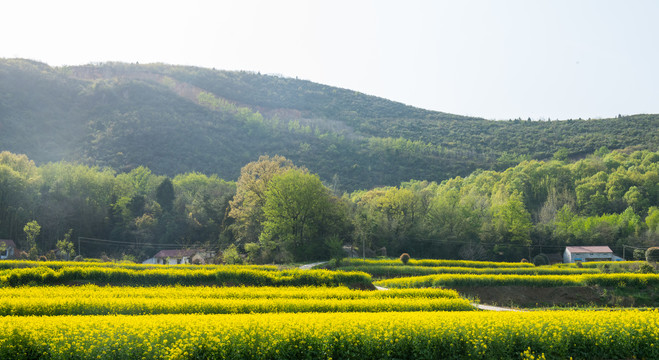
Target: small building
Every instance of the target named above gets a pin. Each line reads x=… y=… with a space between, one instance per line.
x=589 y=253
x=7 y=249
x=177 y=257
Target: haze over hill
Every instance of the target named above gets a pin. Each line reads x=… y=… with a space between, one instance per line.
x=175 y=119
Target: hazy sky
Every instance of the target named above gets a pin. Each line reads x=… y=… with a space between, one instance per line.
x=494 y=59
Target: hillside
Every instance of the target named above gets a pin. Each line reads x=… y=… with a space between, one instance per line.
x=176 y=119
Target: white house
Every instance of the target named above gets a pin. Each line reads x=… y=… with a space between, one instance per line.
x=176 y=257
x=7 y=249
x=589 y=253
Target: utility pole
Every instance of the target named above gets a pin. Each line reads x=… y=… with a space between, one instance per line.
x=364 y=249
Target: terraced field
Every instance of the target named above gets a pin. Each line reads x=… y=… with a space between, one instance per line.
x=115 y=311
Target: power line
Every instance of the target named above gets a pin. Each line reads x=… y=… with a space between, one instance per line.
x=128 y=243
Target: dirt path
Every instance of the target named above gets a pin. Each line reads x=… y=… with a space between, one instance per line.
x=380 y=288
x=310 y=266
x=478 y=306
x=492 y=308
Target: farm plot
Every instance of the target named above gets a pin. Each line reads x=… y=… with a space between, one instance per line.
x=390 y=271
x=161 y=276
x=617 y=280
x=417 y=335
x=95 y=300
x=264 y=313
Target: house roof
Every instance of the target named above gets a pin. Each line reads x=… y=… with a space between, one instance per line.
x=175 y=253
x=588 y=249
x=8 y=243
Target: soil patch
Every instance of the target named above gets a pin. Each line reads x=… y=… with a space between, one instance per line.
x=530 y=297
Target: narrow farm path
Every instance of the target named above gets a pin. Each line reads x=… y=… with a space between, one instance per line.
x=310 y=266
x=380 y=288
x=492 y=308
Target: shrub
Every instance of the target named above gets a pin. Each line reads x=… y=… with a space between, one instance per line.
x=43 y=258
x=231 y=255
x=198 y=260
x=51 y=255
x=334 y=263
x=652 y=254
x=639 y=254
x=579 y=264
x=646 y=269
x=524 y=261
x=253 y=251
x=540 y=259
x=404 y=258
x=78 y=258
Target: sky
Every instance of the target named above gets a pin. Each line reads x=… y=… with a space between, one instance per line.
x=503 y=59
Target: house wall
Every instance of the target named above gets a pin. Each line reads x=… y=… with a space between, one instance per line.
x=569 y=257
x=7 y=254
x=176 y=261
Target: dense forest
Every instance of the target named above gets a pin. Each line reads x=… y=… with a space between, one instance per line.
x=278 y=211
x=177 y=120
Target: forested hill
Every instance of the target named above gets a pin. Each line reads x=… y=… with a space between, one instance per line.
x=176 y=119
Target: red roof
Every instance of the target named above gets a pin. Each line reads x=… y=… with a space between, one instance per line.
x=8 y=243
x=175 y=253
x=589 y=249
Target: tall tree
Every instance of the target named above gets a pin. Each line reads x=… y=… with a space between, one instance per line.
x=512 y=225
x=19 y=181
x=165 y=195
x=300 y=215
x=247 y=204
x=32 y=230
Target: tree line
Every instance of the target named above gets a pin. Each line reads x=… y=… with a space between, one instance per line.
x=277 y=212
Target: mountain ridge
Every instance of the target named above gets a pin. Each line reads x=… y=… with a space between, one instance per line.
x=175 y=119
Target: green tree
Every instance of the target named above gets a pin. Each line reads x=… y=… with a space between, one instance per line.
x=65 y=247
x=512 y=225
x=205 y=200
x=300 y=213
x=253 y=251
x=165 y=195
x=652 y=220
x=231 y=255
x=453 y=218
x=32 y=230
x=19 y=180
x=247 y=204
x=561 y=154
x=74 y=197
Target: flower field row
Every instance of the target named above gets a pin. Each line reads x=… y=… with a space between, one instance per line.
x=444 y=263
x=416 y=335
x=55 y=265
x=203 y=292
x=389 y=271
x=181 y=276
x=618 y=280
x=94 y=300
